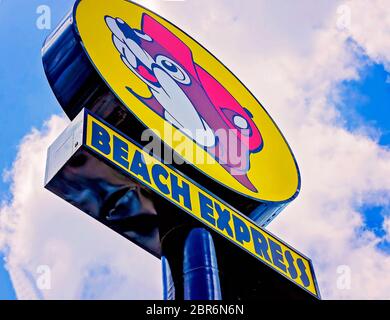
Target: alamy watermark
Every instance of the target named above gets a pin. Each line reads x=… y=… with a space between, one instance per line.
x=344 y=277
x=344 y=17
x=43 y=279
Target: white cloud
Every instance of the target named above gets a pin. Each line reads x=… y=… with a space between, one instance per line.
x=386 y=227
x=86 y=259
x=292 y=55
x=370 y=28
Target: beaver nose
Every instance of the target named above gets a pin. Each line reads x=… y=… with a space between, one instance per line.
x=120 y=29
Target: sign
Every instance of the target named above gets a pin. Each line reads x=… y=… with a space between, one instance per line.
x=135 y=70
x=166 y=79
x=199 y=203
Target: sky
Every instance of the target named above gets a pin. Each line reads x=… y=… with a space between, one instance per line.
x=320 y=68
x=25 y=95
x=24 y=102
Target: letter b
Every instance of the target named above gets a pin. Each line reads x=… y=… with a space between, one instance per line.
x=100 y=139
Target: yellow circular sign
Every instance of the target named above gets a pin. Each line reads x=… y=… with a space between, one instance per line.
x=180 y=90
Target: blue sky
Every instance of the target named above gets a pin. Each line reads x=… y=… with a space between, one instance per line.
x=27 y=100
x=6 y=288
x=25 y=97
x=368 y=101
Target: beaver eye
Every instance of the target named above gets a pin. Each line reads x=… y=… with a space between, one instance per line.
x=173 y=69
x=143 y=35
x=240 y=122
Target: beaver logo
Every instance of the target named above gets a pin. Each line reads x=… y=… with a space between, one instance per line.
x=186 y=95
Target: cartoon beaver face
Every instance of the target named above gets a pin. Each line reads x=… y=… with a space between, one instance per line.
x=186 y=96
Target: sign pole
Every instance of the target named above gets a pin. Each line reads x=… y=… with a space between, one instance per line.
x=189 y=265
x=200 y=267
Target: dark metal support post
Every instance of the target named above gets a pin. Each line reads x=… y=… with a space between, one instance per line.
x=191 y=272
x=200 y=267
